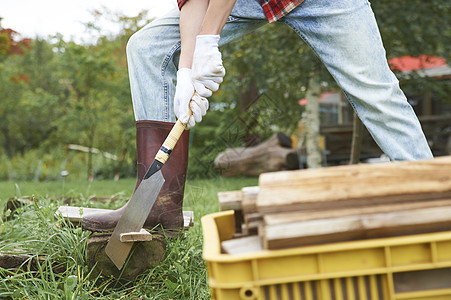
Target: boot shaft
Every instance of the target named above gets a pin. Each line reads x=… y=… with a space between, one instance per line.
x=149 y=138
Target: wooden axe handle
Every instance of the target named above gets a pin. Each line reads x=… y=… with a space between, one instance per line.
x=167 y=147
x=170 y=142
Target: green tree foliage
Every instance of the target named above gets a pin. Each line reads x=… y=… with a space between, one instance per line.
x=57 y=93
x=416 y=27
x=54 y=93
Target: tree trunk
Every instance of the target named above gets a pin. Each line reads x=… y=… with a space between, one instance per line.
x=356 y=146
x=90 y=145
x=248 y=95
x=313 y=123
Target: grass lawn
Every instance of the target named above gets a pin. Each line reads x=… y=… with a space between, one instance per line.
x=33 y=229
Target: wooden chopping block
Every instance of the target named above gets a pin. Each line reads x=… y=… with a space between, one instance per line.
x=144 y=256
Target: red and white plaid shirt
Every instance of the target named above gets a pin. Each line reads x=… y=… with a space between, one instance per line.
x=274 y=9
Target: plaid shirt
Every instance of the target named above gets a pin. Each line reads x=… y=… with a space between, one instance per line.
x=274 y=9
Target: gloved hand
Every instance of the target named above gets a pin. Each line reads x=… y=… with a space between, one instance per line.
x=183 y=95
x=208 y=71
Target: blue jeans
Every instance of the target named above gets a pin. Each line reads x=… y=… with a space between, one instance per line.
x=343 y=34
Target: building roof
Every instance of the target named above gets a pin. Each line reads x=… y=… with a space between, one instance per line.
x=424 y=65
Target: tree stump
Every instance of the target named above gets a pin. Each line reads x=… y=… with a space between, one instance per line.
x=144 y=256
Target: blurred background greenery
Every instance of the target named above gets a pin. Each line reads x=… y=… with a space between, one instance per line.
x=58 y=98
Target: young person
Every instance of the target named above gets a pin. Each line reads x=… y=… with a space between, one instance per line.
x=178 y=54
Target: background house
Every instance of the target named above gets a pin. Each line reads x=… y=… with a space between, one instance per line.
x=433 y=111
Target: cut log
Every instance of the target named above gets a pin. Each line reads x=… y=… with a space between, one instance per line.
x=355 y=185
x=356 y=227
x=26 y=262
x=145 y=255
x=271 y=155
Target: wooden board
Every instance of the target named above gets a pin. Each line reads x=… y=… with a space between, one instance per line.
x=356 y=227
x=249 y=199
x=355 y=185
x=242 y=245
x=308 y=215
x=252 y=222
x=243 y=202
x=131 y=237
x=74 y=214
x=230 y=200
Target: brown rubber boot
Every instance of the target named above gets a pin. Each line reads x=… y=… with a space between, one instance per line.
x=167 y=210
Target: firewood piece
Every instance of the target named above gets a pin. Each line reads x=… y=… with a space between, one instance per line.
x=145 y=255
x=356 y=227
x=355 y=185
x=130 y=237
x=308 y=215
x=251 y=161
x=230 y=200
x=242 y=245
x=249 y=199
x=252 y=222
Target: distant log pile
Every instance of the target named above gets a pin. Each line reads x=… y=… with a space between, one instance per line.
x=274 y=154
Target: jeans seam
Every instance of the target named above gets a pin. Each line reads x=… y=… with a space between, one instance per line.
x=163 y=69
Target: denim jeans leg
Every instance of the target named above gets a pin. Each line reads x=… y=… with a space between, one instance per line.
x=152 y=55
x=151 y=67
x=345 y=36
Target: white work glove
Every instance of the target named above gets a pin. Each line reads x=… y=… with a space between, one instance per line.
x=183 y=95
x=208 y=71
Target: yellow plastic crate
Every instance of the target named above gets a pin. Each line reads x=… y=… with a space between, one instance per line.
x=408 y=267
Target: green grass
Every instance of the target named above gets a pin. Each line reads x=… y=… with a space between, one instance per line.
x=33 y=229
x=67 y=188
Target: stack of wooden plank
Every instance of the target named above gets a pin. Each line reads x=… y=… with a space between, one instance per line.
x=305 y=207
